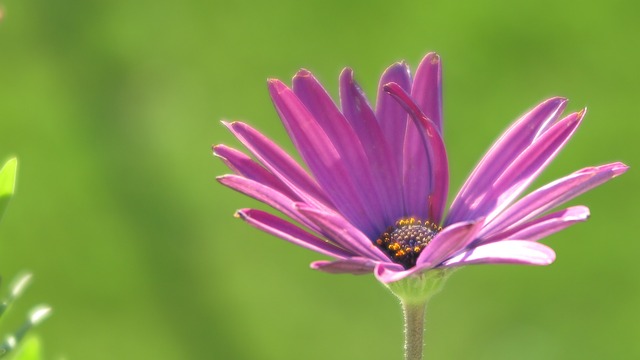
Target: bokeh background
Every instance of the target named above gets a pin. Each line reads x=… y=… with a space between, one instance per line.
x=112 y=106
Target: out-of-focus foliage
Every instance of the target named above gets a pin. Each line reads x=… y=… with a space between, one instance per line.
x=113 y=106
x=7 y=183
x=12 y=345
x=31 y=349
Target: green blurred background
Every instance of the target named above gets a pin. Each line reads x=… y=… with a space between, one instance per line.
x=112 y=106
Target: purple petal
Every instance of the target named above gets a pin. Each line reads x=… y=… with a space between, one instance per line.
x=511 y=144
x=324 y=160
x=266 y=195
x=544 y=226
x=524 y=169
x=289 y=232
x=384 y=169
x=554 y=194
x=448 y=242
x=391 y=116
x=505 y=252
x=427 y=89
x=390 y=272
x=437 y=173
x=280 y=164
x=353 y=265
x=242 y=164
x=345 y=137
x=340 y=231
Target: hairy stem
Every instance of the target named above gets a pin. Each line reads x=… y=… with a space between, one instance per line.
x=413 y=330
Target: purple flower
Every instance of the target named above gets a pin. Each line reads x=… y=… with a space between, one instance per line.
x=375 y=201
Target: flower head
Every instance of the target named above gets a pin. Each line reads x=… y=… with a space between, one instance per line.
x=376 y=195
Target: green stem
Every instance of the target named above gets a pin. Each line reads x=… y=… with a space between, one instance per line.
x=413 y=330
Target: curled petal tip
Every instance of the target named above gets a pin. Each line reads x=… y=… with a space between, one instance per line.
x=347 y=73
x=303 y=73
x=435 y=58
x=276 y=85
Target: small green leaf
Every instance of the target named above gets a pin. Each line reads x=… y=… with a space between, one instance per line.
x=7 y=183
x=30 y=349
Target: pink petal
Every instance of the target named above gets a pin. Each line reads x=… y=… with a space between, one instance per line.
x=449 y=241
x=544 y=226
x=438 y=172
x=324 y=160
x=503 y=152
x=280 y=164
x=349 y=142
x=505 y=252
x=390 y=272
x=554 y=194
x=427 y=89
x=353 y=265
x=266 y=195
x=524 y=169
x=391 y=116
x=384 y=170
x=289 y=232
x=242 y=164
x=338 y=229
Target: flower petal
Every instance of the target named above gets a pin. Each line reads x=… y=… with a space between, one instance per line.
x=391 y=116
x=511 y=144
x=285 y=230
x=242 y=164
x=349 y=142
x=427 y=89
x=280 y=164
x=554 y=194
x=384 y=170
x=353 y=265
x=324 y=160
x=343 y=233
x=266 y=195
x=438 y=171
x=390 y=272
x=505 y=252
x=544 y=226
x=524 y=169
x=449 y=241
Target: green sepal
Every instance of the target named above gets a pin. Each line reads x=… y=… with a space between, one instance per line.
x=418 y=289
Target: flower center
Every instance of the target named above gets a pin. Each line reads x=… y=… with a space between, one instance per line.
x=404 y=241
